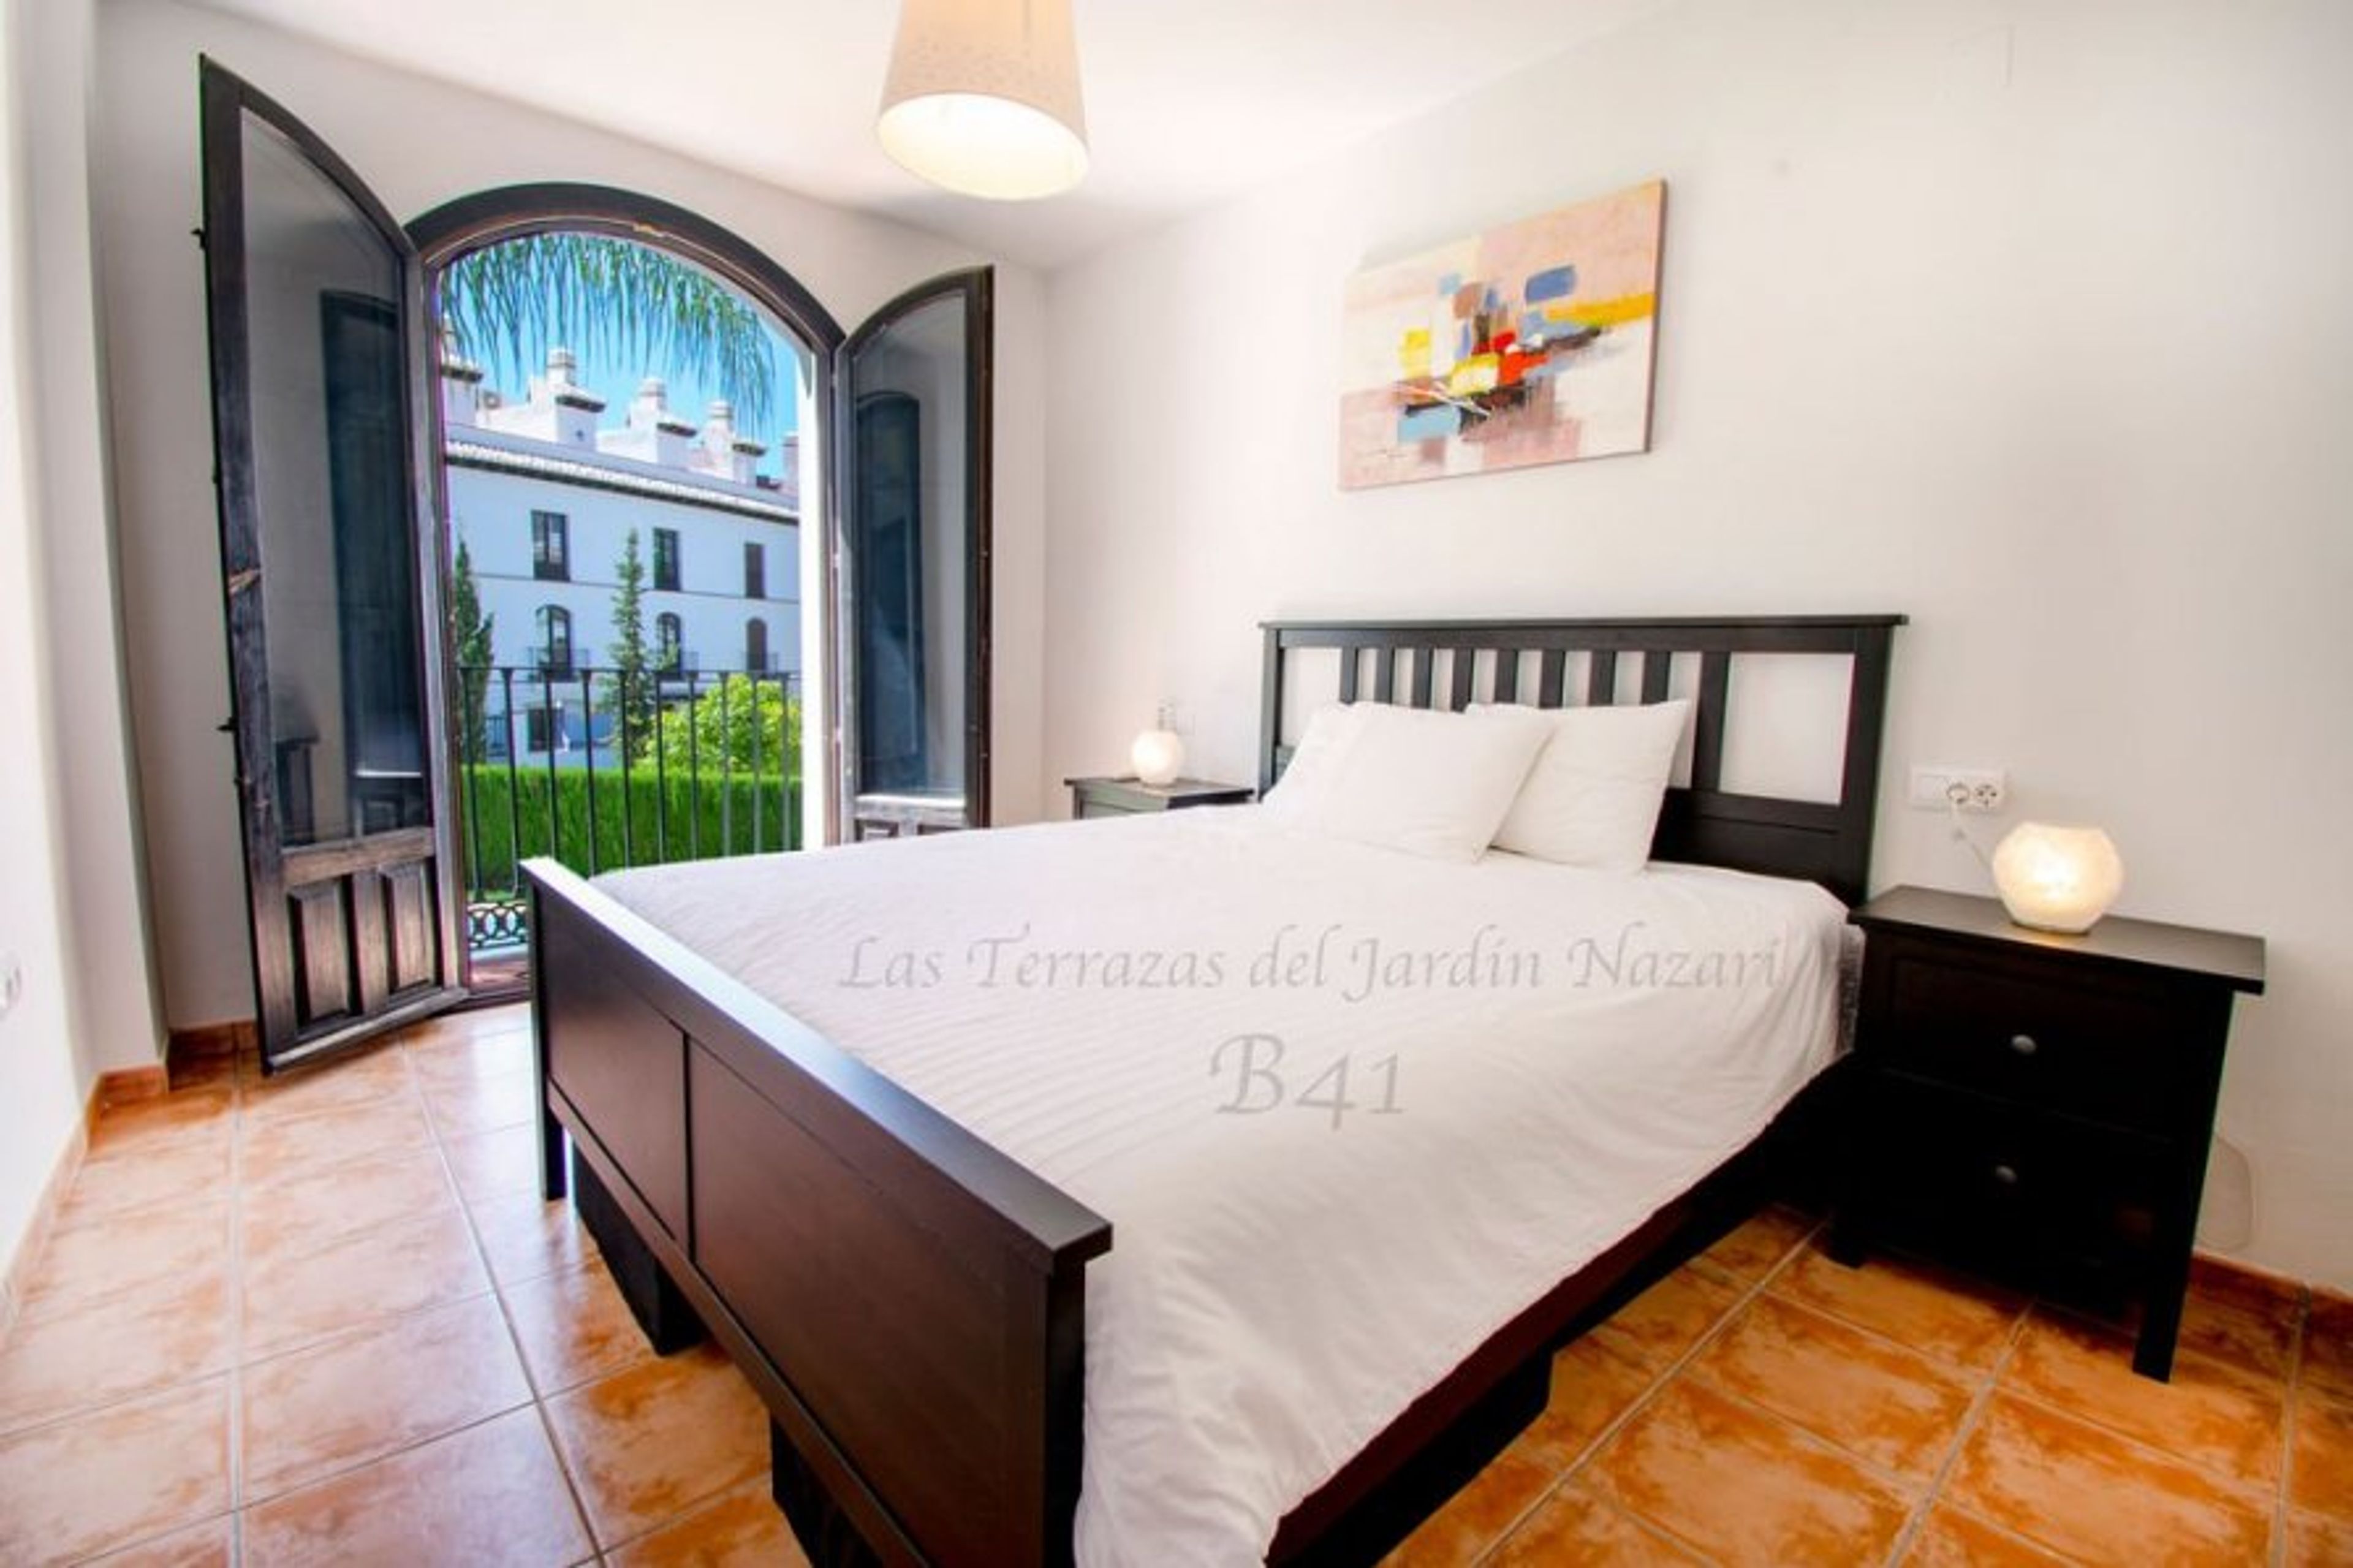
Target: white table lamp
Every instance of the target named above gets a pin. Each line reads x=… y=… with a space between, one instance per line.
x=2057 y=879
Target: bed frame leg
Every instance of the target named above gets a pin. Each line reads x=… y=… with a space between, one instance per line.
x=824 y=1531
x=660 y=1309
x=552 y=1163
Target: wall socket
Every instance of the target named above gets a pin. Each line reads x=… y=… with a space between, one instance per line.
x=1939 y=788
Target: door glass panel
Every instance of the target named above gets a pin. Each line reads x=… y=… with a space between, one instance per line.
x=331 y=480
x=910 y=518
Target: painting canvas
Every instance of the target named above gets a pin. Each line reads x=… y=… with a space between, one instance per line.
x=1530 y=343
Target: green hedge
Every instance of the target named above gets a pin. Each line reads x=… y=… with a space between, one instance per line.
x=677 y=817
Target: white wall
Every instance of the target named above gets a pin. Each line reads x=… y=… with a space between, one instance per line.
x=492 y=512
x=41 y=1083
x=418 y=143
x=2029 y=321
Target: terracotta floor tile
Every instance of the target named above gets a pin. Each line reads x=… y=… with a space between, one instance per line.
x=2315 y=1541
x=1951 y=1539
x=2328 y=1345
x=115 y=1476
x=1893 y=1406
x=373 y=1077
x=1592 y=1385
x=525 y=1238
x=1748 y=1252
x=212 y=1544
x=1477 y=1516
x=647 y=1444
x=742 y=1529
x=214 y=1071
x=288 y=1216
x=359 y=1279
x=168 y=1175
x=2323 y=1462
x=168 y=1122
x=470 y=1024
x=2220 y=1417
x=319 y=1145
x=491 y=1494
x=470 y=1058
x=109 y=1255
x=574 y=1329
x=2087 y=1493
x=2241 y=1318
x=491 y=1165
x=343 y=1402
x=1669 y=1317
x=1932 y=1311
x=174 y=1331
x=1572 y=1525
x=483 y=1104
x=1744 y=1487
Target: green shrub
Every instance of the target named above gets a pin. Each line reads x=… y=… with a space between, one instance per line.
x=646 y=818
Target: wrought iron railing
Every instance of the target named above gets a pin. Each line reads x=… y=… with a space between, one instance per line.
x=604 y=768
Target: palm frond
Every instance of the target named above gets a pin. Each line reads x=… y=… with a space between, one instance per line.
x=609 y=297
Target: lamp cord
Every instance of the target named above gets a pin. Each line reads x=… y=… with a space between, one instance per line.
x=1961 y=832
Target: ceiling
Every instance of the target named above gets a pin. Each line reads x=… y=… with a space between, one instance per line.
x=1187 y=100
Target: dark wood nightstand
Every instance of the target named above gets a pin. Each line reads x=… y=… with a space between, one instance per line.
x=1127 y=797
x=2040 y=1107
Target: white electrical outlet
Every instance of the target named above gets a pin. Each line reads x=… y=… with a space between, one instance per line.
x=1941 y=788
x=12 y=982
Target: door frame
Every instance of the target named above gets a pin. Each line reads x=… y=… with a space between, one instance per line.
x=488 y=217
x=225 y=101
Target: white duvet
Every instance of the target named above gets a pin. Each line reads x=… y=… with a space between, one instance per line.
x=1348 y=1111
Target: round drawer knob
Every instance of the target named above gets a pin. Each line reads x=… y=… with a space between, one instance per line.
x=2005 y=1175
x=2024 y=1045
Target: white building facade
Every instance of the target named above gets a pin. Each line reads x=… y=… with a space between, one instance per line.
x=544 y=499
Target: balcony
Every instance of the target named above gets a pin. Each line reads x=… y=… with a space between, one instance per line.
x=633 y=769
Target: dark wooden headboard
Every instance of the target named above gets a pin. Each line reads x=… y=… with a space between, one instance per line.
x=1822 y=841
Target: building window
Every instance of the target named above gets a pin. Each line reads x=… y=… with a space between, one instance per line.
x=669 y=641
x=554 y=650
x=666 y=558
x=543 y=728
x=755 y=570
x=755 y=645
x=551 y=547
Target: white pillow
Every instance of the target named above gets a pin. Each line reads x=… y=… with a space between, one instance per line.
x=1307 y=779
x=1592 y=799
x=1422 y=780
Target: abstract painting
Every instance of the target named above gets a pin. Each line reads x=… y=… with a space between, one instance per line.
x=1530 y=343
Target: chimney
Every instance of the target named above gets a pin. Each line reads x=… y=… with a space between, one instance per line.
x=570 y=408
x=725 y=452
x=462 y=393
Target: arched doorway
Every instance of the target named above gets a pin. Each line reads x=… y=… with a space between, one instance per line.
x=891 y=632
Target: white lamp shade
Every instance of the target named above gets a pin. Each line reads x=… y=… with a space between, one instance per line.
x=983 y=97
x=2057 y=879
x=1157 y=757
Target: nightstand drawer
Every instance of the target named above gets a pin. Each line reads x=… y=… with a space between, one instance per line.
x=2112 y=1056
x=1991 y=1182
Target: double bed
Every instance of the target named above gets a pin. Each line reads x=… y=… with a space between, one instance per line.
x=1372 y=1132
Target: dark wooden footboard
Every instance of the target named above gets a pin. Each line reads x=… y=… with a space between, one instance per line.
x=909 y=1302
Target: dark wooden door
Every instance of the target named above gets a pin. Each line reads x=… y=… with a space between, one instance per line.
x=913 y=583
x=332 y=583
